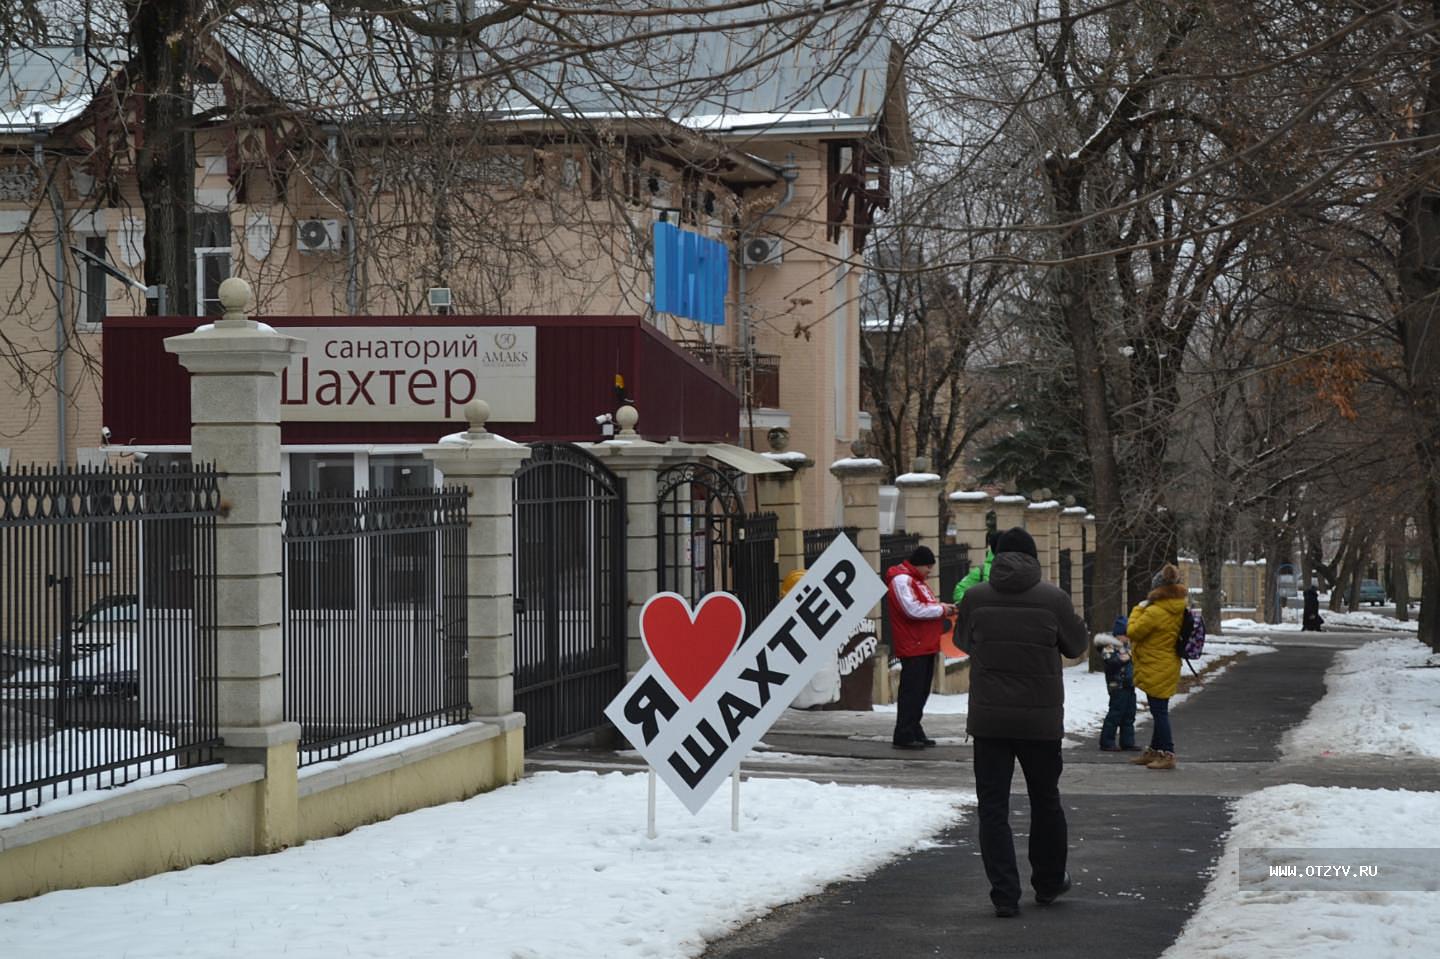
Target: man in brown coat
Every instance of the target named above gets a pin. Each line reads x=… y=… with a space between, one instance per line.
x=1016 y=629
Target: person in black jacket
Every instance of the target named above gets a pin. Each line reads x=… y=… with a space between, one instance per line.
x=1311 y=621
x=1016 y=629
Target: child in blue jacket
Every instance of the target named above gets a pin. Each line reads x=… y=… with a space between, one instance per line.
x=1120 y=680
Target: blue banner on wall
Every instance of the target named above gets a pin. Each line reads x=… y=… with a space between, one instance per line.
x=692 y=274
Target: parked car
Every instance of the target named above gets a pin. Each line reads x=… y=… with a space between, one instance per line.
x=1372 y=592
x=103 y=655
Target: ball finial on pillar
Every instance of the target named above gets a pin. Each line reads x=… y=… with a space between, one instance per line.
x=235 y=298
x=626 y=417
x=477 y=412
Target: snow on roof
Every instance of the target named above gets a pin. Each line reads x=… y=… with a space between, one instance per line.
x=741 y=77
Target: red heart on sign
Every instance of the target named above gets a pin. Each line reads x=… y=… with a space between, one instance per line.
x=691 y=647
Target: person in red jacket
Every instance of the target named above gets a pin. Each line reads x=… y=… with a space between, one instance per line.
x=916 y=624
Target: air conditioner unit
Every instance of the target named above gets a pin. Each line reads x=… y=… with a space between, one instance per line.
x=762 y=251
x=318 y=236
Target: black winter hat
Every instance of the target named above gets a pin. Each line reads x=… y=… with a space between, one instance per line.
x=1015 y=540
x=922 y=556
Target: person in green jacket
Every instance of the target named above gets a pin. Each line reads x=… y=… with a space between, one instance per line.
x=978 y=574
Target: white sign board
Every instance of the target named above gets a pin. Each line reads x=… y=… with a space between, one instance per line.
x=409 y=373
x=705 y=698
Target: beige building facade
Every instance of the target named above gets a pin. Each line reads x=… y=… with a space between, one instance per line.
x=535 y=217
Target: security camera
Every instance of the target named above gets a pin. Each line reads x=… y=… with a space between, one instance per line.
x=141 y=457
x=604 y=418
x=105 y=435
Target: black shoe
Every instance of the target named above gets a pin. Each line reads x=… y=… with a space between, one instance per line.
x=1007 y=912
x=909 y=745
x=928 y=742
x=1045 y=899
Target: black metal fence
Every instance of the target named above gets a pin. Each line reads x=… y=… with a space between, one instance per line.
x=707 y=542
x=570 y=569
x=107 y=626
x=895 y=548
x=1065 y=572
x=818 y=540
x=757 y=569
x=375 y=636
x=954 y=566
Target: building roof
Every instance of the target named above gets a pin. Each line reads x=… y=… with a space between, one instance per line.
x=741 y=79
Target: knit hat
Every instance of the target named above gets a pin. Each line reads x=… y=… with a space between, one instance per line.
x=1015 y=540
x=1167 y=576
x=922 y=556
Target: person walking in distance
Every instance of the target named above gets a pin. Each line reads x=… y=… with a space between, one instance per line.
x=1154 y=628
x=916 y=623
x=1016 y=629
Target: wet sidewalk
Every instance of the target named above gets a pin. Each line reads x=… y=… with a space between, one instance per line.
x=1142 y=842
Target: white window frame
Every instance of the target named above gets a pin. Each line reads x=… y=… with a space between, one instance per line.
x=87 y=269
x=94 y=457
x=201 y=254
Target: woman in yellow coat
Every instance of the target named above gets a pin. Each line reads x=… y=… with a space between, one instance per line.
x=1153 y=629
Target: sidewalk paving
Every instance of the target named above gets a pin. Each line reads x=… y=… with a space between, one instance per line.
x=1143 y=842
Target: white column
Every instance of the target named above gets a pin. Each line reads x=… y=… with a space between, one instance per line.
x=485 y=465
x=234 y=367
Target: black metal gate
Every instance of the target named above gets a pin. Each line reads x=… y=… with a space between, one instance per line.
x=708 y=544
x=569 y=592
x=1065 y=572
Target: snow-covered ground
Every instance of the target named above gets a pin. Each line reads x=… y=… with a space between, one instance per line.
x=1253 y=923
x=1086 y=698
x=554 y=867
x=1382 y=698
x=1291 y=624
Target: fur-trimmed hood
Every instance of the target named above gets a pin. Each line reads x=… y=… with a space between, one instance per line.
x=1168 y=591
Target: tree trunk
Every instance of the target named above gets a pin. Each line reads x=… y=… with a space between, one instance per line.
x=1419 y=252
x=162 y=34
x=1399 y=571
x=1079 y=324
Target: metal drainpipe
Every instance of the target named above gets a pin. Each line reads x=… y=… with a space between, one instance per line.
x=62 y=337
x=352 y=294
x=790 y=172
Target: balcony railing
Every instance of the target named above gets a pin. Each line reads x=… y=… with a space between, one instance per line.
x=729 y=362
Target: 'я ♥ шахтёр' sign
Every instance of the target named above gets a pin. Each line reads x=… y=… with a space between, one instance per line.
x=705 y=698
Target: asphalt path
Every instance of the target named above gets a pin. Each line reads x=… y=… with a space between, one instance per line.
x=1142 y=841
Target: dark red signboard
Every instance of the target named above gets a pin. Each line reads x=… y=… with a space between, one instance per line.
x=146 y=393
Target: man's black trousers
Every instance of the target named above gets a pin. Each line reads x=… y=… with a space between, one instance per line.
x=994 y=767
x=917 y=673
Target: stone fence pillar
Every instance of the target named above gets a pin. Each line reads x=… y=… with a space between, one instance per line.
x=1072 y=538
x=860 y=507
x=1009 y=512
x=783 y=495
x=1042 y=520
x=920 y=493
x=968 y=510
x=639 y=462
x=485 y=464
x=860 y=502
x=234 y=367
